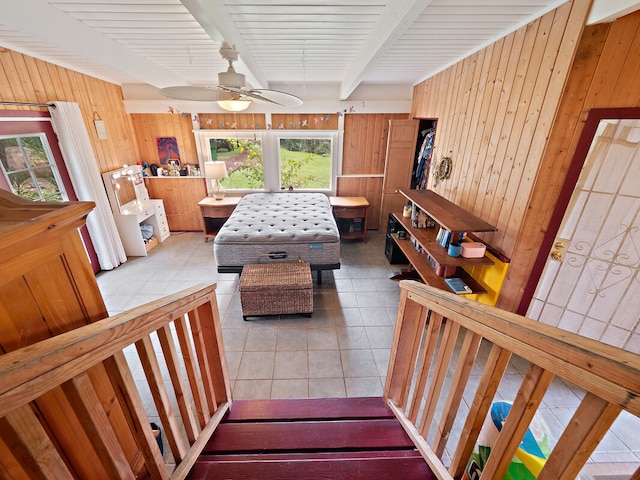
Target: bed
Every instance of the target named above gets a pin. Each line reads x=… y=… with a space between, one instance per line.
x=279 y=227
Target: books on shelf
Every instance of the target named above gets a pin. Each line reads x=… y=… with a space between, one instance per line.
x=457 y=285
x=420 y=219
x=445 y=237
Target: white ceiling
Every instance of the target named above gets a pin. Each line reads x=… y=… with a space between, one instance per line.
x=285 y=44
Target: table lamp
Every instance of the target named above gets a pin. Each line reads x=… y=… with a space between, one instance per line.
x=216 y=171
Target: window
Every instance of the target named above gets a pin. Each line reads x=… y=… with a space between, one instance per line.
x=305 y=163
x=243 y=158
x=272 y=160
x=28 y=166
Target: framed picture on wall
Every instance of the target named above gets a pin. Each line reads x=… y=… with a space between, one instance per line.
x=167 y=149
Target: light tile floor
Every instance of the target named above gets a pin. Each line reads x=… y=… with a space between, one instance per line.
x=342 y=350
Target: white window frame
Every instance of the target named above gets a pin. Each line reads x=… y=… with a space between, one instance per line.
x=323 y=134
x=270 y=141
x=30 y=168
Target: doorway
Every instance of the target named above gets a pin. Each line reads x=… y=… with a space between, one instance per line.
x=590 y=276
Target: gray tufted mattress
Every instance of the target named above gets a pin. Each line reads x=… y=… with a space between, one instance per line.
x=279 y=227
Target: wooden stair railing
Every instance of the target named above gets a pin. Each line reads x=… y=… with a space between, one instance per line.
x=436 y=341
x=187 y=325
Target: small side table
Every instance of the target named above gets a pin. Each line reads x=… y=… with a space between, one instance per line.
x=215 y=213
x=351 y=216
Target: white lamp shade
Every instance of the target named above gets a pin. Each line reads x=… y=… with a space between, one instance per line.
x=234 y=105
x=215 y=170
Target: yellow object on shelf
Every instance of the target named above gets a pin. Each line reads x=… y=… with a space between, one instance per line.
x=491 y=277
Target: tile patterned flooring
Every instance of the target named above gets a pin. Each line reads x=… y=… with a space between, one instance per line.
x=342 y=350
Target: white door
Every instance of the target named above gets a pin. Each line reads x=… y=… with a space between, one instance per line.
x=591 y=281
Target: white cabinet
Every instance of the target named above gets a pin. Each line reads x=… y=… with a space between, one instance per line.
x=135 y=213
x=161 y=219
x=133 y=217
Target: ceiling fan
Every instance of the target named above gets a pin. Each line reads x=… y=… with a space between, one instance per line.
x=231 y=92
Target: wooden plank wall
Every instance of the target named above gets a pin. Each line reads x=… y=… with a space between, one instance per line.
x=310 y=121
x=605 y=74
x=149 y=126
x=363 y=157
x=26 y=79
x=495 y=111
x=131 y=138
x=232 y=121
x=277 y=121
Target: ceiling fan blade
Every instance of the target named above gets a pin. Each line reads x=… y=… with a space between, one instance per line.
x=274 y=96
x=222 y=92
x=197 y=94
x=240 y=94
x=231 y=87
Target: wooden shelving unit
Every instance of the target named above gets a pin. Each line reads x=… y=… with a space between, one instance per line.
x=426 y=237
x=426 y=271
x=451 y=217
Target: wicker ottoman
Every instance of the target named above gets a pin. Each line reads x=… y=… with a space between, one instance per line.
x=275 y=289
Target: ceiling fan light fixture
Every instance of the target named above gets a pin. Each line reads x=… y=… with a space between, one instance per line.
x=232 y=93
x=234 y=105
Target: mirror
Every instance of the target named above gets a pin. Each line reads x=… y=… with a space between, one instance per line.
x=125 y=188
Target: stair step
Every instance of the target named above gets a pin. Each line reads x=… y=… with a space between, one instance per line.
x=370 y=466
x=308 y=409
x=341 y=438
x=319 y=435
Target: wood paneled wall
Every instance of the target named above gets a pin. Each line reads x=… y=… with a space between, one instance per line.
x=363 y=156
x=232 y=121
x=26 y=79
x=310 y=121
x=495 y=112
x=131 y=138
x=605 y=74
x=277 y=121
x=149 y=126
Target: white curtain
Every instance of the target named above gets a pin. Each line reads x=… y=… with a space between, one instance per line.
x=87 y=182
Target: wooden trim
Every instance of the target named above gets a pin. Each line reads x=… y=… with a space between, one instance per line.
x=232 y=121
x=292 y=122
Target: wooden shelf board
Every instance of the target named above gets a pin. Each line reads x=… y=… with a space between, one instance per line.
x=445 y=213
x=426 y=271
